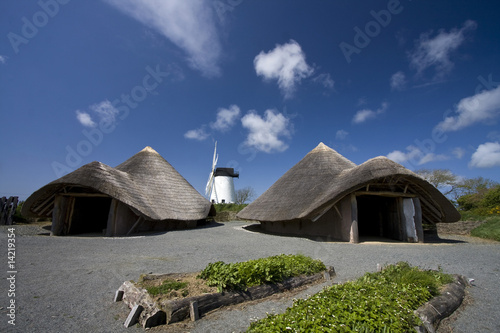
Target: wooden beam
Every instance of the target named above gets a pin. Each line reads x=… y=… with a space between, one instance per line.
x=42 y=205
x=387 y=194
x=431 y=207
x=139 y=220
x=85 y=195
x=338 y=211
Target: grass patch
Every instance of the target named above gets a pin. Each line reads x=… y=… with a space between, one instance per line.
x=489 y=230
x=376 y=302
x=166 y=287
x=240 y=276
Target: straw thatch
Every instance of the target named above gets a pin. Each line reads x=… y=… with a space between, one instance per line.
x=323 y=177
x=146 y=183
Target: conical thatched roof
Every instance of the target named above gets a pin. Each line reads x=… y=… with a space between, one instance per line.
x=323 y=177
x=146 y=182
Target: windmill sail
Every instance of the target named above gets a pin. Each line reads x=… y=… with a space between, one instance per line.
x=210 y=183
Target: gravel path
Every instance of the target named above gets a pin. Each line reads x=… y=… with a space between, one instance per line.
x=66 y=284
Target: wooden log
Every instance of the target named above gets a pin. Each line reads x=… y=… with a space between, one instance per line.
x=193 y=311
x=156 y=318
x=133 y=316
x=178 y=310
x=12 y=211
x=118 y=296
x=3 y=213
x=442 y=306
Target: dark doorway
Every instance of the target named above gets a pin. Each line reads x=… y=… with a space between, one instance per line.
x=378 y=216
x=90 y=214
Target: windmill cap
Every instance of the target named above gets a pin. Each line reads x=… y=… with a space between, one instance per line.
x=226 y=172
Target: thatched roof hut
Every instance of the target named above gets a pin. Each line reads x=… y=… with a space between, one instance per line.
x=325 y=194
x=143 y=193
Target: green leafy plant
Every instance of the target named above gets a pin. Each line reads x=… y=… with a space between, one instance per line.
x=237 y=276
x=376 y=302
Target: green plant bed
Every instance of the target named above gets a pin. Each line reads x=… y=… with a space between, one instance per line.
x=376 y=302
x=489 y=230
x=166 y=287
x=238 y=276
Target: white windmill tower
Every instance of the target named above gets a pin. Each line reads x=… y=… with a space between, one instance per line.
x=220 y=185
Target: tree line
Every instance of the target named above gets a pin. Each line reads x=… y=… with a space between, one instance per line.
x=479 y=196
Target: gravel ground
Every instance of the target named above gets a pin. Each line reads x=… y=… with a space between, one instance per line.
x=66 y=284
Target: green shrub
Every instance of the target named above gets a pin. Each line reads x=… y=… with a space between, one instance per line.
x=484 y=203
x=491 y=198
x=376 y=302
x=237 y=276
x=231 y=207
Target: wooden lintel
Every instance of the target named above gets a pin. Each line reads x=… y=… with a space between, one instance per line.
x=87 y=195
x=387 y=194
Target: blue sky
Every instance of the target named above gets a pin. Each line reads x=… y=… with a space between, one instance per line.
x=83 y=81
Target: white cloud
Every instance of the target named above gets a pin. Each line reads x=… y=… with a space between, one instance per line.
x=265 y=133
x=435 y=52
x=431 y=157
x=487 y=155
x=226 y=118
x=363 y=115
x=341 y=134
x=104 y=110
x=188 y=24
x=415 y=156
x=458 y=152
x=401 y=157
x=398 y=81
x=285 y=63
x=3 y=59
x=326 y=80
x=197 y=134
x=85 y=119
x=482 y=107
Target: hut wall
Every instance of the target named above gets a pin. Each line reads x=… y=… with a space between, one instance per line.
x=418 y=220
x=166 y=225
x=301 y=227
x=331 y=225
x=120 y=219
x=61 y=214
x=408 y=212
x=412 y=220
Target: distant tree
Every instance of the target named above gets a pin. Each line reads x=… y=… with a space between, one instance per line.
x=245 y=194
x=443 y=179
x=478 y=185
